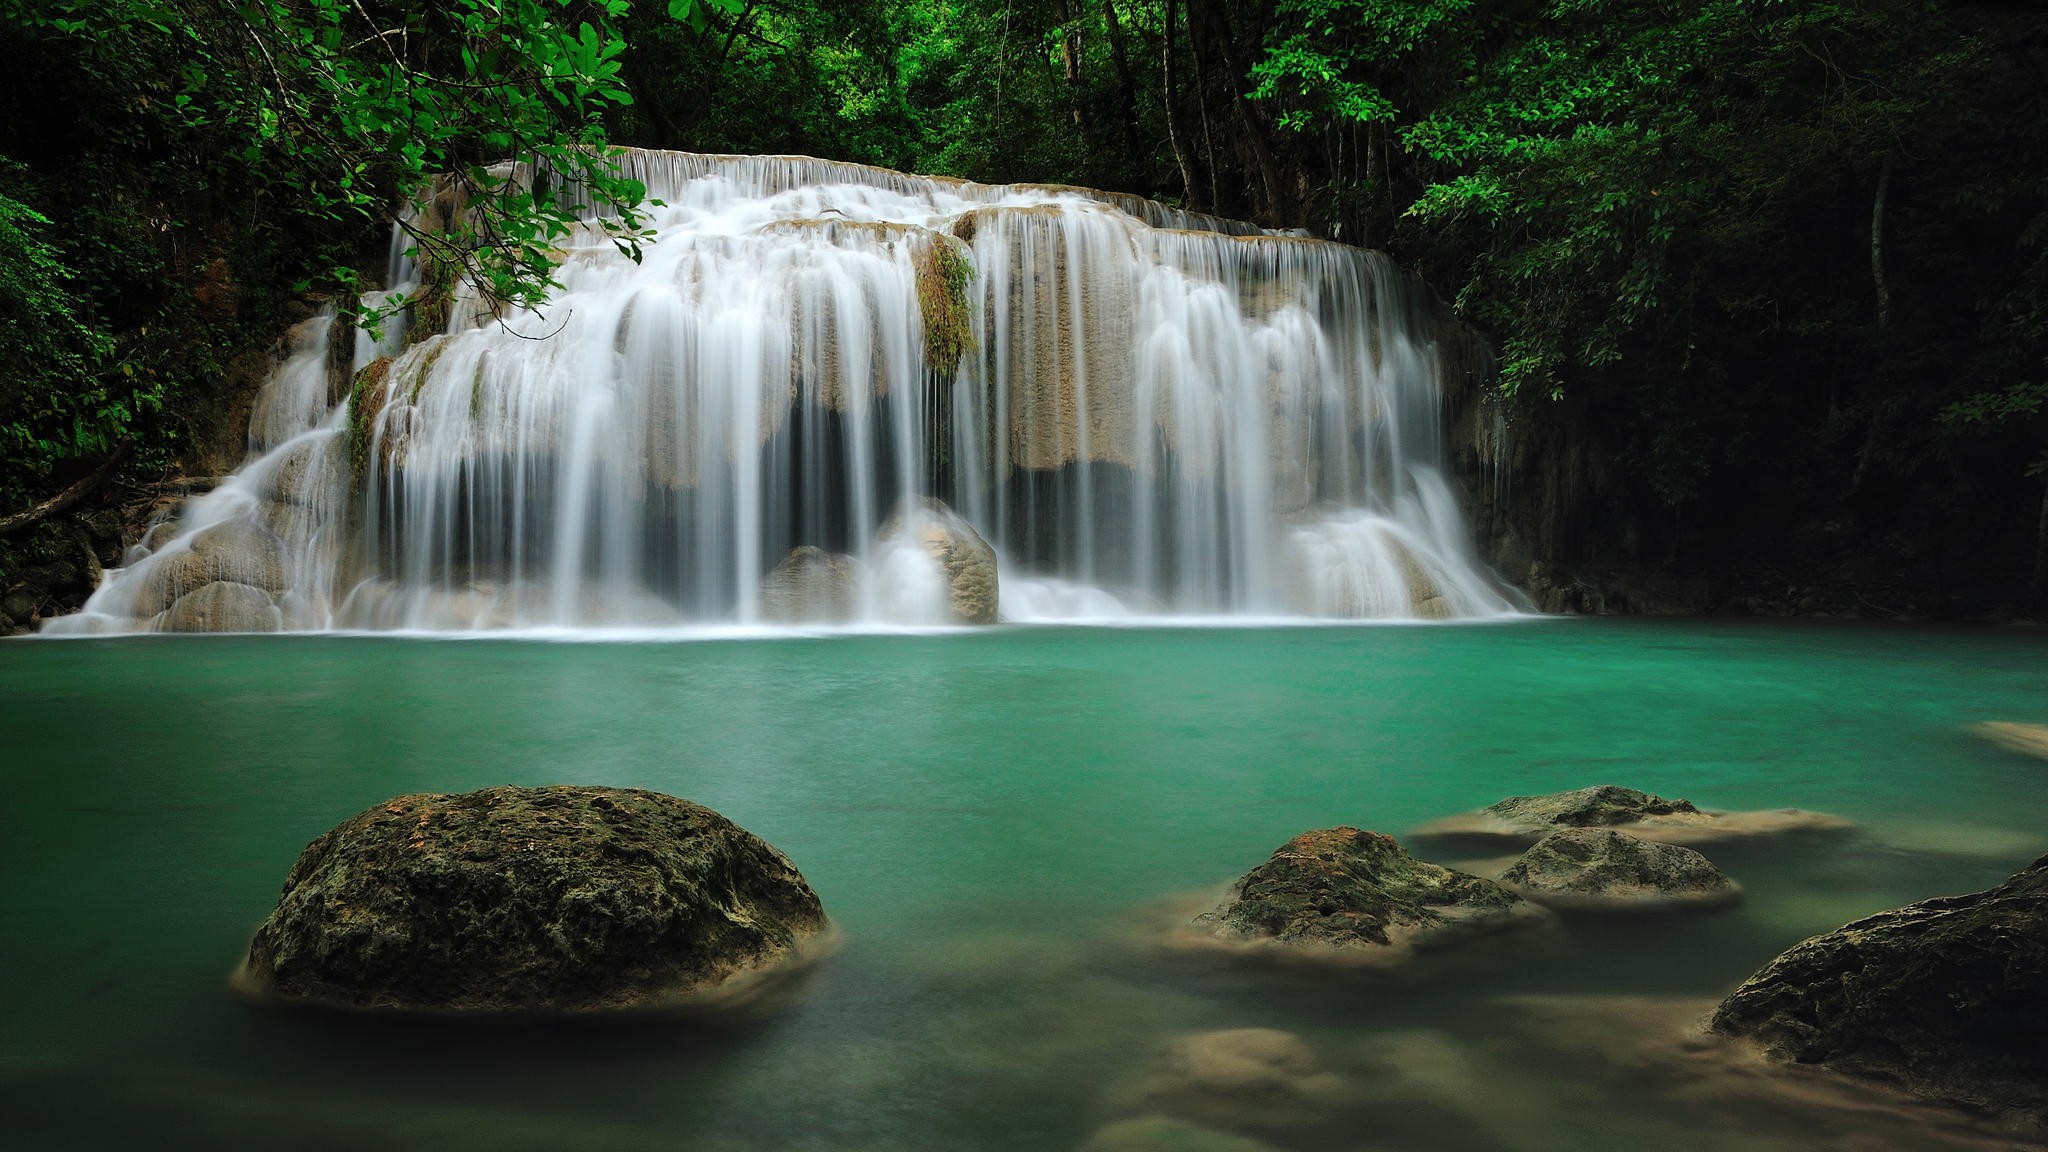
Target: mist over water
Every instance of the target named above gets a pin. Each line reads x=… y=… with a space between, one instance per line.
x=1153 y=413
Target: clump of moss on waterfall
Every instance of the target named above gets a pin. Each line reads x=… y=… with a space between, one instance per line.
x=943 y=274
x=433 y=302
x=362 y=412
x=425 y=370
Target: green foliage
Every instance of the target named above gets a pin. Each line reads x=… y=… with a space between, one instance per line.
x=1336 y=59
x=62 y=393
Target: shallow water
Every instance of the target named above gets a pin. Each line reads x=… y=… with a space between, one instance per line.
x=991 y=817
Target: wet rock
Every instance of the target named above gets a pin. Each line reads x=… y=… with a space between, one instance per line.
x=1529 y=818
x=966 y=562
x=532 y=901
x=810 y=586
x=1599 y=806
x=1350 y=895
x=237 y=551
x=1599 y=868
x=1947 y=998
x=19 y=604
x=223 y=606
x=312 y=472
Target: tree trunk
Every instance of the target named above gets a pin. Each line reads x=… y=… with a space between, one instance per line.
x=1884 y=296
x=1170 y=93
x=1278 y=204
x=1127 y=87
x=1070 y=61
x=1202 y=104
x=67 y=497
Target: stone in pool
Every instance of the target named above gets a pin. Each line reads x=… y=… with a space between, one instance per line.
x=1947 y=999
x=1529 y=818
x=1351 y=896
x=1259 y=1079
x=532 y=901
x=1600 y=869
x=2028 y=739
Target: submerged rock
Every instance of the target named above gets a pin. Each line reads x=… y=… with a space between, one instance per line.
x=1350 y=895
x=811 y=586
x=557 y=900
x=966 y=563
x=1166 y=1134
x=1261 y=1079
x=1528 y=818
x=1947 y=998
x=2030 y=739
x=1604 y=869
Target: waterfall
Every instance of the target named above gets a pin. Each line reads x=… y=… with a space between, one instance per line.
x=828 y=393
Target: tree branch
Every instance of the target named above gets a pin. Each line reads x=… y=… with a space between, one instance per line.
x=66 y=498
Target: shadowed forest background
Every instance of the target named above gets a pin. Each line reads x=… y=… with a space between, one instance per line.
x=1767 y=280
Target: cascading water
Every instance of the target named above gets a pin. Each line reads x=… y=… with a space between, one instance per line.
x=830 y=393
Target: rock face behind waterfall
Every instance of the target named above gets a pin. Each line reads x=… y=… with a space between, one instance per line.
x=812 y=586
x=558 y=900
x=1347 y=894
x=1599 y=868
x=1947 y=998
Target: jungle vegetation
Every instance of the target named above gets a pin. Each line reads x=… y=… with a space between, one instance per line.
x=1777 y=268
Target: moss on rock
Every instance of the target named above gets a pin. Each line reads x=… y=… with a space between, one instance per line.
x=364 y=402
x=944 y=273
x=1600 y=868
x=1346 y=889
x=1947 y=998
x=556 y=900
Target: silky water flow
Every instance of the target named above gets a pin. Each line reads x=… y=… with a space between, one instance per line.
x=824 y=391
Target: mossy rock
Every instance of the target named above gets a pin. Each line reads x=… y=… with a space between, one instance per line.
x=1600 y=806
x=1347 y=893
x=1527 y=819
x=532 y=901
x=1947 y=999
x=1601 y=869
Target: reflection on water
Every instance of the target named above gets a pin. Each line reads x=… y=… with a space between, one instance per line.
x=995 y=821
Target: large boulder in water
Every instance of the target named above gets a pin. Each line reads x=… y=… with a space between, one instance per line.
x=557 y=900
x=1947 y=998
x=1529 y=818
x=1601 y=869
x=811 y=586
x=1349 y=895
x=965 y=562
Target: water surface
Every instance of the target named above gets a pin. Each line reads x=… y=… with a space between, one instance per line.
x=991 y=817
